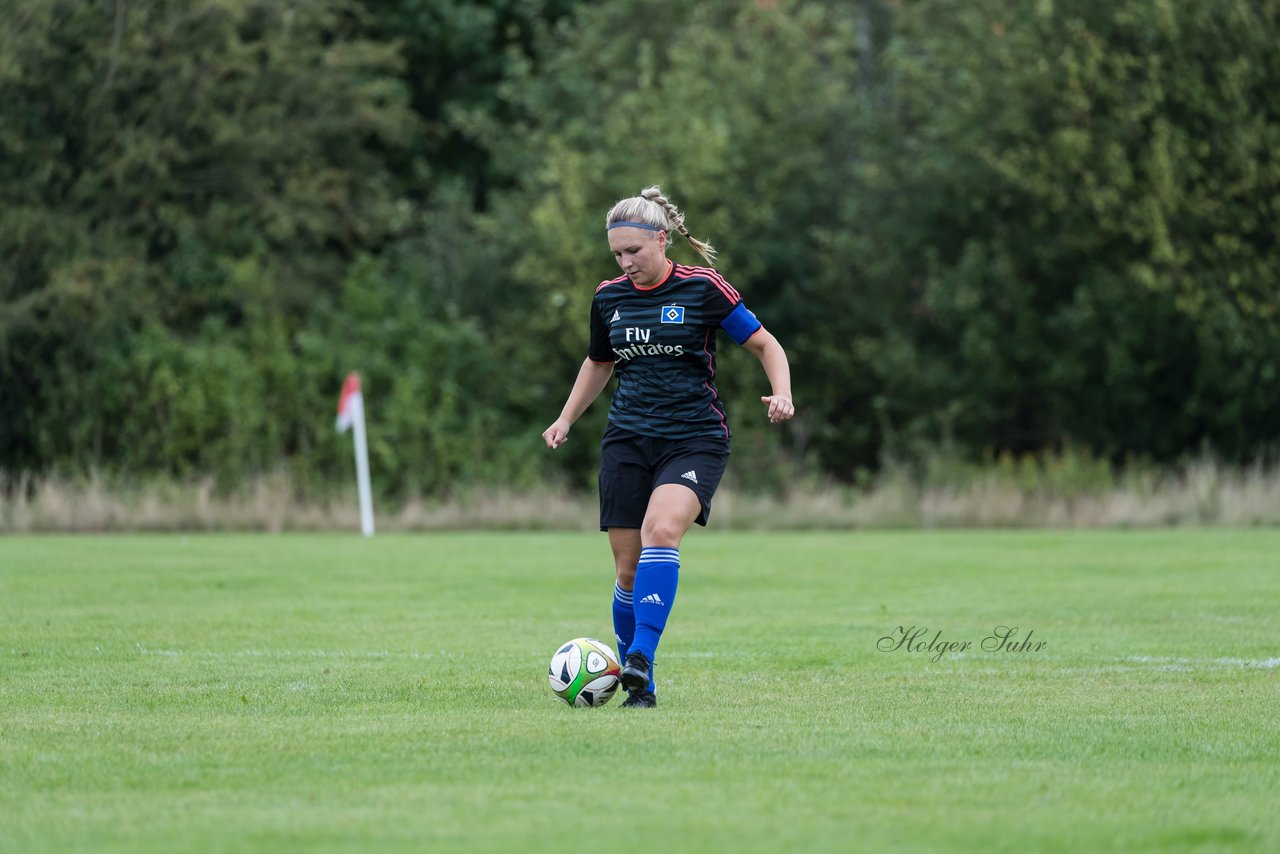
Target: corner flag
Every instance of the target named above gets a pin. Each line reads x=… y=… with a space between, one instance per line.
x=351 y=415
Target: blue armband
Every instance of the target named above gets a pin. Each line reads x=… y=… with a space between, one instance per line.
x=741 y=324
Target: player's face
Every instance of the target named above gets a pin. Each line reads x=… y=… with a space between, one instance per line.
x=641 y=254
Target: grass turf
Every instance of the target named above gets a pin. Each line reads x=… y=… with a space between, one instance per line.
x=206 y=693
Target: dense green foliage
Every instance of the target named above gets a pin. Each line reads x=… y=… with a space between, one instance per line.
x=992 y=227
x=1079 y=204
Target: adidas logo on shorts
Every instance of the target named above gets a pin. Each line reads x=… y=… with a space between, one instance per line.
x=689 y=475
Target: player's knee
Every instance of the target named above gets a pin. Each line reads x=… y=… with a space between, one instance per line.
x=663 y=533
x=626 y=574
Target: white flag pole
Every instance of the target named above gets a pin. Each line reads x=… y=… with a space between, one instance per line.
x=351 y=414
x=362 y=468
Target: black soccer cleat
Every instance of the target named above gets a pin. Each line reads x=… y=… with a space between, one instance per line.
x=641 y=700
x=635 y=673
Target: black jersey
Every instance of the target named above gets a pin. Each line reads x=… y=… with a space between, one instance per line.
x=662 y=341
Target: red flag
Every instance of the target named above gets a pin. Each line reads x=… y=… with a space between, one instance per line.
x=350 y=401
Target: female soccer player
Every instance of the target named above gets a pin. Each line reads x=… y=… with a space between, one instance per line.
x=667 y=441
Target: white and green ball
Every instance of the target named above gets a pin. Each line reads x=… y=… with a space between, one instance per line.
x=583 y=672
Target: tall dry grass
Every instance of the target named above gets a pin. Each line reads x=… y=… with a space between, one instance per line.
x=270 y=503
x=1039 y=493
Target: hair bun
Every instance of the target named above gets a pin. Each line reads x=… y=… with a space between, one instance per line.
x=666 y=216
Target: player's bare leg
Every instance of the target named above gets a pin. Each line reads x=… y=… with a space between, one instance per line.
x=625 y=543
x=672 y=510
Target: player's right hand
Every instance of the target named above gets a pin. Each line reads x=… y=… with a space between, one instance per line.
x=557 y=434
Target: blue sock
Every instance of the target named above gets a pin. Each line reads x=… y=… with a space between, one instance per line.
x=657 y=575
x=624 y=626
x=624 y=620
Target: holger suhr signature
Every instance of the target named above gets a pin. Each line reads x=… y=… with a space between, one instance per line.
x=917 y=639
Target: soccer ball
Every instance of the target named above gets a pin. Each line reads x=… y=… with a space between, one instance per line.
x=583 y=672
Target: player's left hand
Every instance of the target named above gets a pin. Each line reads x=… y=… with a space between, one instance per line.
x=557 y=434
x=780 y=408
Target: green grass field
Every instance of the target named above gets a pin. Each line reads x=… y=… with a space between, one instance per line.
x=269 y=693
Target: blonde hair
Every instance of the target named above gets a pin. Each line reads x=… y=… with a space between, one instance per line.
x=653 y=208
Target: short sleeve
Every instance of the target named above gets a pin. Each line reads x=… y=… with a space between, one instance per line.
x=599 y=350
x=725 y=309
x=720 y=301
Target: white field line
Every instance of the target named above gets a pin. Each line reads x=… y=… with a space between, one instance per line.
x=290 y=653
x=1170 y=663
x=1138 y=663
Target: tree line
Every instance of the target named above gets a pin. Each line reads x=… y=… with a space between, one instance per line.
x=986 y=227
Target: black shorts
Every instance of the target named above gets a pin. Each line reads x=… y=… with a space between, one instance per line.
x=632 y=466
